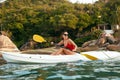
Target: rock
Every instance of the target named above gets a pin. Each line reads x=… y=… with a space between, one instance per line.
x=105 y=41
x=28 y=45
x=101 y=42
x=113 y=47
x=6 y=44
x=2 y=61
x=89 y=43
x=9 y=49
x=117 y=34
x=88 y=48
x=86 y=44
x=116 y=45
x=111 y=39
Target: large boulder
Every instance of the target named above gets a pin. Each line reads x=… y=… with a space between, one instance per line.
x=28 y=45
x=113 y=47
x=6 y=44
x=101 y=42
x=116 y=45
x=88 y=48
x=89 y=43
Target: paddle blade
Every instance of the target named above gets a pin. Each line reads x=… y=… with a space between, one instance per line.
x=38 y=38
x=90 y=57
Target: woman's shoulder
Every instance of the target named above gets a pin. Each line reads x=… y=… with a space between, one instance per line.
x=70 y=40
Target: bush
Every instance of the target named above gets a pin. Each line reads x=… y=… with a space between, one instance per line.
x=80 y=41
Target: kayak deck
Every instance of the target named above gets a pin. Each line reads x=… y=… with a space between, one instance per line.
x=18 y=57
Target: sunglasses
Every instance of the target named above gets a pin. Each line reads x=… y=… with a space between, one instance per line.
x=65 y=34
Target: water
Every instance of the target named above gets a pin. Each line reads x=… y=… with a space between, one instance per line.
x=81 y=70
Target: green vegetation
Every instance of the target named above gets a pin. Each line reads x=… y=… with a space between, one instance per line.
x=23 y=18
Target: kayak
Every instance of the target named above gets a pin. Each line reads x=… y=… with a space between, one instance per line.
x=18 y=57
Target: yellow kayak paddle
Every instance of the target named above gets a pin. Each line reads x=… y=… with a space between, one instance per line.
x=90 y=57
x=38 y=38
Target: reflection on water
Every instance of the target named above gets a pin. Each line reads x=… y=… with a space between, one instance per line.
x=92 y=70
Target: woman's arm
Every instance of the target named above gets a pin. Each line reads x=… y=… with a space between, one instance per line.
x=60 y=43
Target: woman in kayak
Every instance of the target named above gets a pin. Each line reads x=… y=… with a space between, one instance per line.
x=69 y=47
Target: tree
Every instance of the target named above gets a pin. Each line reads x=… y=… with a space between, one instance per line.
x=84 y=21
x=114 y=11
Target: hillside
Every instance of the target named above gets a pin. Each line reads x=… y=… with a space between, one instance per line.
x=23 y=18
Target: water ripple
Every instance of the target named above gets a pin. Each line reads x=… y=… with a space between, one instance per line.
x=91 y=70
